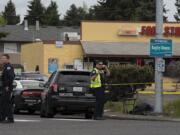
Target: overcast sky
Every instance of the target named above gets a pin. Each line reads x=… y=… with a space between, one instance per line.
x=21 y=5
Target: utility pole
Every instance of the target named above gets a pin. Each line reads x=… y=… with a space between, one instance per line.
x=158 y=74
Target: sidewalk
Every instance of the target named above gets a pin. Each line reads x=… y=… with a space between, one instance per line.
x=119 y=116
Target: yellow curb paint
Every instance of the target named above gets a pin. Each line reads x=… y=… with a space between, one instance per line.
x=148 y=83
x=165 y=93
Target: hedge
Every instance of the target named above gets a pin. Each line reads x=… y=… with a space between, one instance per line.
x=124 y=74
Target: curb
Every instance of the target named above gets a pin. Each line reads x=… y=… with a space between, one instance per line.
x=140 y=118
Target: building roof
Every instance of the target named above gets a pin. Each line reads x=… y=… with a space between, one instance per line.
x=116 y=49
x=16 y=33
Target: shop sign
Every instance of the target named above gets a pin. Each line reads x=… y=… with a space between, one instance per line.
x=128 y=32
x=59 y=44
x=168 y=31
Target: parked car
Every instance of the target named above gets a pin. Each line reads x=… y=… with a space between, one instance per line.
x=67 y=92
x=27 y=95
x=31 y=76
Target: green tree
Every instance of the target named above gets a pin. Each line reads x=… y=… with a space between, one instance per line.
x=51 y=14
x=124 y=10
x=74 y=16
x=2 y=22
x=10 y=14
x=177 y=15
x=113 y=10
x=173 y=70
x=146 y=11
x=35 y=10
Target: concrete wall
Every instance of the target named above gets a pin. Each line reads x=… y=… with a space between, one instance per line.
x=108 y=31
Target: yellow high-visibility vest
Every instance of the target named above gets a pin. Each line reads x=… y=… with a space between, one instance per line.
x=96 y=83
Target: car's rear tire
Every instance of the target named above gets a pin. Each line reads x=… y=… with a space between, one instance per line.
x=88 y=115
x=49 y=112
x=42 y=112
x=46 y=111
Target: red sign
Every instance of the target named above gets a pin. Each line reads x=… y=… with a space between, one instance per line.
x=168 y=31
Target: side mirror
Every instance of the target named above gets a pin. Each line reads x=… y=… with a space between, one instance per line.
x=41 y=85
x=14 y=85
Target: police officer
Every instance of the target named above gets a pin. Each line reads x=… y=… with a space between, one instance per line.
x=98 y=76
x=8 y=76
x=1 y=93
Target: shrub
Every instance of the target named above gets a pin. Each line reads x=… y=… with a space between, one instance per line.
x=173 y=70
x=123 y=74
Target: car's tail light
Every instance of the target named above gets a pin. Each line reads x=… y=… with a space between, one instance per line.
x=54 y=87
x=31 y=93
x=43 y=94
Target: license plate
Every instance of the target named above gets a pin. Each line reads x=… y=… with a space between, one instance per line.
x=30 y=101
x=77 y=89
x=31 y=104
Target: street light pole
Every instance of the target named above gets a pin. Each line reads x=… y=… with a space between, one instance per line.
x=158 y=74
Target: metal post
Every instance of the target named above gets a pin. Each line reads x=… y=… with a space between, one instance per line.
x=158 y=74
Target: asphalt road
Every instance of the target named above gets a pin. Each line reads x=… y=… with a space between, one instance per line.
x=75 y=125
x=33 y=125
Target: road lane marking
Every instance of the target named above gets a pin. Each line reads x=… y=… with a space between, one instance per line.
x=76 y=120
x=54 y=119
x=26 y=120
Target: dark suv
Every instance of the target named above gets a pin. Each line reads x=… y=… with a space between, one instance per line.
x=67 y=92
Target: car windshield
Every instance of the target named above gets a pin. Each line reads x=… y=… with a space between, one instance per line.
x=81 y=77
x=30 y=84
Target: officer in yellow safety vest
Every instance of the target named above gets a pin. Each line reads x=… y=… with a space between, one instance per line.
x=98 y=76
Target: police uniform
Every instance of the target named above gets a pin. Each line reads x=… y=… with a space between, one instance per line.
x=97 y=86
x=8 y=76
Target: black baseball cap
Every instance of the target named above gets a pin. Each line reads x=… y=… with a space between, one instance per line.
x=99 y=62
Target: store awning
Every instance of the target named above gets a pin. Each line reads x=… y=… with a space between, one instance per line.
x=120 y=49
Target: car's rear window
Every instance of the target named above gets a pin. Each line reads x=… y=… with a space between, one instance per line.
x=34 y=76
x=81 y=77
x=30 y=84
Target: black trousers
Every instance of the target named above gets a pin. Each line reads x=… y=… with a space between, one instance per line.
x=100 y=100
x=6 y=106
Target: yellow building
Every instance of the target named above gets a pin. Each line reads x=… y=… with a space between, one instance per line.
x=42 y=54
x=112 y=42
